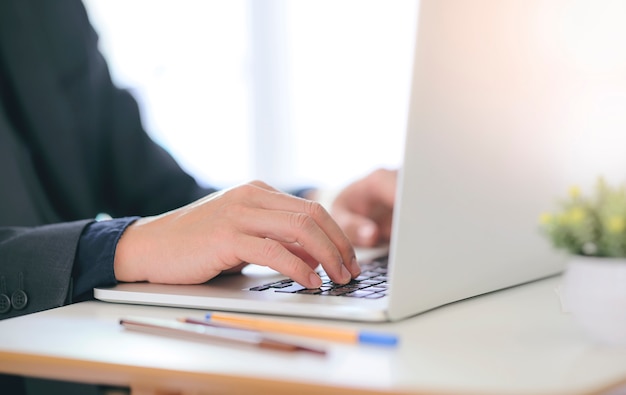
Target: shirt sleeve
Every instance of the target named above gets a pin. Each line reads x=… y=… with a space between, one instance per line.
x=93 y=266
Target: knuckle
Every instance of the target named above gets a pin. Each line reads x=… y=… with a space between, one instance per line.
x=314 y=209
x=302 y=221
x=379 y=175
x=242 y=194
x=381 y=171
x=258 y=184
x=245 y=190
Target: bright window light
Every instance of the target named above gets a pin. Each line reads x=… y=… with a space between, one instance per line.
x=294 y=93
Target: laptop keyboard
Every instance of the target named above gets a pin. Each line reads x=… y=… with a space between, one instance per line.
x=370 y=284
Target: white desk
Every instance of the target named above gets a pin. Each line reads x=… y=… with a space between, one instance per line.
x=515 y=341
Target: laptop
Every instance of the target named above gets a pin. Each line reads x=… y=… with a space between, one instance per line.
x=496 y=120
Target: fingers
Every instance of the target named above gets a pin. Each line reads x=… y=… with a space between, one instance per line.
x=271 y=253
x=306 y=223
x=302 y=230
x=364 y=209
x=235 y=269
x=361 y=230
x=302 y=254
x=382 y=183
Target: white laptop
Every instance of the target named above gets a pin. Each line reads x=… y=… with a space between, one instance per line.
x=498 y=130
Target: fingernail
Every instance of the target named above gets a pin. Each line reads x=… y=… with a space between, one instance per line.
x=345 y=275
x=315 y=280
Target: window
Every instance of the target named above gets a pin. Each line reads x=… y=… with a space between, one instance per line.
x=294 y=93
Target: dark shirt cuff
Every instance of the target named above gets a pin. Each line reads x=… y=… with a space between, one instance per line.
x=93 y=266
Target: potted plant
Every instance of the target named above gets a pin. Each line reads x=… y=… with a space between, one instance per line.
x=592 y=229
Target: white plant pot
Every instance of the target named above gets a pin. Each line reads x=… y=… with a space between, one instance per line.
x=595 y=293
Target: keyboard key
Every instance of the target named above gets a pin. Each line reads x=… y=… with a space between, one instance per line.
x=290 y=288
x=260 y=288
x=309 y=291
x=283 y=285
x=381 y=278
x=336 y=292
x=358 y=294
x=370 y=284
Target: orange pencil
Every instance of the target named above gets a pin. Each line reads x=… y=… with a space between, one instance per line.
x=318 y=332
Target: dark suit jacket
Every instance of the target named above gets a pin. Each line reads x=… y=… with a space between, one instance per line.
x=71 y=146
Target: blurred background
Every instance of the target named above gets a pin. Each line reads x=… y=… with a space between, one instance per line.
x=295 y=93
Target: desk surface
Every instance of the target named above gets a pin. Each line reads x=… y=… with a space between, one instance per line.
x=516 y=341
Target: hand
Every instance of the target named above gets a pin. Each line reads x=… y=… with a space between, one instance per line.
x=364 y=209
x=251 y=223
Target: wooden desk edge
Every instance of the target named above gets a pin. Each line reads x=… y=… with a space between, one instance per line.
x=155 y=381
x=147 y=380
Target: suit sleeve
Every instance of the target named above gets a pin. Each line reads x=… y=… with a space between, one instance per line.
x=39 y=263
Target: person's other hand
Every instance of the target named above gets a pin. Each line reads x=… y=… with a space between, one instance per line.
x=364 y=208
x=251 y=223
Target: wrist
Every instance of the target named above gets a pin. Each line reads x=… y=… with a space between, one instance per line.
x=129 y=255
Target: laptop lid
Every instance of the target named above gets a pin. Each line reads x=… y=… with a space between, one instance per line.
x=498 y=111
x=513 y=102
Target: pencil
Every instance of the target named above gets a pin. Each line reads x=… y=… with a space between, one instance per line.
x=210 y=332
x=318 y=332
